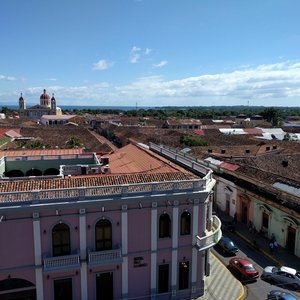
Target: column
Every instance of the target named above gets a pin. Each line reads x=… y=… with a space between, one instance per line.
x=153 y=248
x=82 y=241
x=38 y=256
x=195 y=231
x=124 y=222
x=174 y=249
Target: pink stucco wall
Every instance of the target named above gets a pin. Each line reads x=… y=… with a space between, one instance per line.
x=139 y=227
x=17 y=242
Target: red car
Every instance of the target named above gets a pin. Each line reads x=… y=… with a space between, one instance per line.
x=244 y=267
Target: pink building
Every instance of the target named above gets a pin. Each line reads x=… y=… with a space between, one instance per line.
x=140 y=229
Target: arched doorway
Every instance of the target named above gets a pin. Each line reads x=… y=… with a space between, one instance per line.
x=17 y=289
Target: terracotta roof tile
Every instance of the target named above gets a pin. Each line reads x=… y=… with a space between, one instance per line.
x=132 y=159
x=91 y=181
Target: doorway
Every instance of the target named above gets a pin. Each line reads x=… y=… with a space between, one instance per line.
x=244 y=213
x=291 y=238
x=104 y=286
x=63 y=289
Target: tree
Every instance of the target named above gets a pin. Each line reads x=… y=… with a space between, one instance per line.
x=73 y=142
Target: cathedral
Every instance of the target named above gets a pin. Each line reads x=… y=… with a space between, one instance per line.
x=47 y=106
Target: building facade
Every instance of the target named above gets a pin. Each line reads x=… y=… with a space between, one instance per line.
x=47 y=106
x=271 y=211
x=118 y=235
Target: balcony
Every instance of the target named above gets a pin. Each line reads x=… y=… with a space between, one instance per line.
x=212 y=237
x=61 y=263
x=106 y=257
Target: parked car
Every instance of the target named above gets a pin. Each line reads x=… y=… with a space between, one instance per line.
x=283 y=275
x=227 y=225
x=227 y=245
x=280 y=295
x=244 y=267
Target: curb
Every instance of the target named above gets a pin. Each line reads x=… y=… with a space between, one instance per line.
x=242 y=294
x=264 y=252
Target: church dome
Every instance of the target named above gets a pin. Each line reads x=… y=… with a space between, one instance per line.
x=21 y=97
x=45 y=96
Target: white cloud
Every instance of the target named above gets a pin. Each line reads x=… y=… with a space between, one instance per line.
x=135 y=54
x=148 y=51
x=160 y=64
x=268 y=85
x=51 y=79
x=7 y=78
x=102 y=64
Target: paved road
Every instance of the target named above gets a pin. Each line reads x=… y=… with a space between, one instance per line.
x=255 y=290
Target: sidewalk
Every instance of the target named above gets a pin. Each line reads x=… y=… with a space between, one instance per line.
x=280 y=257
x=221 y=284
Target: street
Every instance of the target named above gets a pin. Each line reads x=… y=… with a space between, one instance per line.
x=255 y=290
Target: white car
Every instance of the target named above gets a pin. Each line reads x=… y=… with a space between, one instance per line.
x=283 y=275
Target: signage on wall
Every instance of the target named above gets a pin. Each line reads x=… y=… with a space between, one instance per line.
x=139 y=262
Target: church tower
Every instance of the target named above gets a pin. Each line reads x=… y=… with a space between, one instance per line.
x=22 y=104
x=53 y=105
x=45 y=99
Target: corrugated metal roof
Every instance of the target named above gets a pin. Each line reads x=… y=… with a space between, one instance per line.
x=185 y=150
x=272 y=130
x=232 y=131
x=214 y=161
x=287 y=188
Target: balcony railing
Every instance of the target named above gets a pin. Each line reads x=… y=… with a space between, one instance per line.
x=212 y=237
x=58 y=263
x=185 y=160
x=106 y=257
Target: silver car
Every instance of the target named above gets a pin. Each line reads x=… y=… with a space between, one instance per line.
x=283 y=275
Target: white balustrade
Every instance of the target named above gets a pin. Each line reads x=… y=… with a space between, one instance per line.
x=105 y=257
x=61 y=262
x=212 y=237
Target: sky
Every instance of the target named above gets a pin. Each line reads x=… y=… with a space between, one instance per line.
x=151 y=53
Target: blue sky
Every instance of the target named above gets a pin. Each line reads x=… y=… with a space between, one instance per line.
x=151 y=52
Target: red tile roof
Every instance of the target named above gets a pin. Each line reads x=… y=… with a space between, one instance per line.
x=253 y=130
x=199 y=131
x=229 y=166
x=91 y=181
x=132 y=159
x=129 y=165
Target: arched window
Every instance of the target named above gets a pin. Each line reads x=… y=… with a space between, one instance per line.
x=14 y=173
x=185 y=223
x=61 y=240
x=164 y=226
x=34 y=172
x=103 y=235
